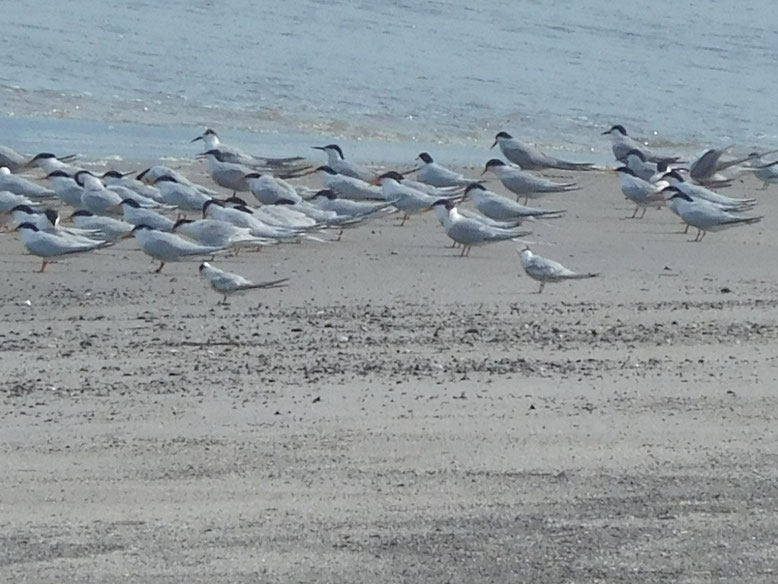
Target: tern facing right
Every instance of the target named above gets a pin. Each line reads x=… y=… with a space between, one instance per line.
x=227 y=283
x=544 y=270
x=530 y=158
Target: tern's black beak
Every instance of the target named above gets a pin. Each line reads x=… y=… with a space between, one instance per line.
x=196 y=139
x=493 y=145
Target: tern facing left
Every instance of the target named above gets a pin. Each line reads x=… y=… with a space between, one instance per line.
x=525 y=184
x=168 y=247
x=544 y=270
x=227 y=283
x=48 y=245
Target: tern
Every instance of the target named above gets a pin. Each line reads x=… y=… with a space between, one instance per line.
x=337 y=162
x=408 y=200
x=9 y=200
x=502 y=208
x=137 y=215
x=183 y=196
x=640 y=166
x=96 y=198
x=704 y=215
x=699 y=192
x=113 y=178
x=244 y=217
x=471 y=232
x=328 y=200
x=48 y=220
x=11 y=159
x=544 y=270
x=229 y=175
x=212 y=232
x=525 y=184
x=623 y=144
x=231 y=154
x=66 y=188
x=270 y=190
x=47 y=245
x=436 y=175
x=22 y=186
x=765 y=172
x=106 y=228
x=168 y=247
x=530 y=158
x=49 y=163
x=641 y=192
x=227 y=283
x=348 y=186
x=151 y=174
x=707 y=167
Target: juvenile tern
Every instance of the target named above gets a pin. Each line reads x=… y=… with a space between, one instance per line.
x=502 y=208
x=529 y=158
x=622 y=144
x=524 y=184
x=337 y=162
x=765 y=172
x=641 y=192
x=704 y=215
x=168 y=247
x=471 y=232
x=47 y=245
x=544 y=270
x=227 y=283
x=436 y=175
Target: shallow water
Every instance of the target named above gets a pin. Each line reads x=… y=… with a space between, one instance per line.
x=682 y=74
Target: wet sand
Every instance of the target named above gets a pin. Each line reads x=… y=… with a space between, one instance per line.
x=398 y=413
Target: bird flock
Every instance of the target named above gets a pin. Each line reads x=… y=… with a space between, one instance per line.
x=174 y=219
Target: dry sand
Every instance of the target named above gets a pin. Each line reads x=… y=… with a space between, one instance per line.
x=399 y=414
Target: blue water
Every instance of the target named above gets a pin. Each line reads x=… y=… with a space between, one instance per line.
x=681 y=74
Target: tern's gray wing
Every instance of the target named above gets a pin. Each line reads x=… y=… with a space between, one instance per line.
x=544 y=269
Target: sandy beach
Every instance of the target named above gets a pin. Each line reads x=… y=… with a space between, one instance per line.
x=398 y=413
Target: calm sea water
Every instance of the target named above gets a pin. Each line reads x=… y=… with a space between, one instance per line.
x=683 y=74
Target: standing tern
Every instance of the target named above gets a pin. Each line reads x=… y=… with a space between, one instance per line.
x=408 y=200
x=66 y=188
x=231 y=154
x=471 y=232
x=436 y=175
x=525 y=184
x=502 y=208
x=337 y=162
x=244 y=217
x=544 y=270
x=641 y=192
x=765 y=172
x=227 y=283
x=622 y=144
x=168 y=247
x=96 y=198
x=48 y=220
x=704 y=215
x=47 y=245
x=530 y=158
